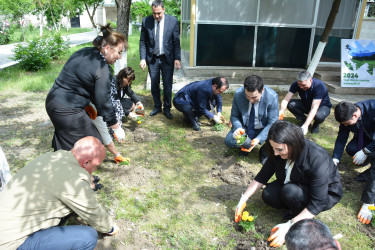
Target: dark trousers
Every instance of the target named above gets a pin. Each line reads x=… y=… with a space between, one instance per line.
x=286 y=196
x=298 y=109
x=184 y=106
x=368 y=195
x=157 y=64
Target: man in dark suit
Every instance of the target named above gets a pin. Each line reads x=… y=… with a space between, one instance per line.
x=197 y=98
x=264 y=101
x=358 y=118
x=159 y=48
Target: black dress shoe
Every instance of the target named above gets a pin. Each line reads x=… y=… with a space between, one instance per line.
x=362 y=177
x=196 y=127
x=168 y=114
x=155 y=111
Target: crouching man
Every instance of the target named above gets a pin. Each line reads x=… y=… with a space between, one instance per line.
x=48 y=189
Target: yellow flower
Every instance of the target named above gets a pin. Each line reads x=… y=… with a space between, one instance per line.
x=244 y=217
x=139 y=122
x=250 y=218
x=371 y=208
x=238 y=141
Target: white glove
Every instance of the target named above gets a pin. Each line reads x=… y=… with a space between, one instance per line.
x=139 y=106
x=219 y=114
x=359 y=157
x=217 y=119
x=304 y=129
x=238 y=132
x=278 y=234
x=365 y=215
x=132 y=115
x=254 y=142
x=119 y=134
x=240 y=207
x=115 y=229
x=335 y=161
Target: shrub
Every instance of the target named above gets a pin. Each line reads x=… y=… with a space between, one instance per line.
x=6 y=31
x=57 y=45
x=38 y=53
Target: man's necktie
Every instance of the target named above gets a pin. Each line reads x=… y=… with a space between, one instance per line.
x=250 y=123
x=157 y=45
x=360 y=135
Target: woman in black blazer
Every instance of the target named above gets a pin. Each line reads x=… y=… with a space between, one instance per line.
x=307 y=181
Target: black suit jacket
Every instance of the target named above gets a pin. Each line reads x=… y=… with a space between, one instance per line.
x=314 y=171
x=368 y=121
x=171 y=39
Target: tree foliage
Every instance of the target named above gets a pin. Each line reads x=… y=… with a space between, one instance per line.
x=17 y=9
x=371 y=10
x=141 y=9
x=55 y=10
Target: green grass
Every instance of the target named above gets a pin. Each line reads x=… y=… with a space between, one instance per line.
x=29 y=35
x=179 y=203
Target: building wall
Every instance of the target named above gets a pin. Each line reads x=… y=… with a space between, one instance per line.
x=368 y=28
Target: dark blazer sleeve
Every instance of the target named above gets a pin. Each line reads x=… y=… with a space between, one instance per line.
x=268 y=169
x=146 y=40
x=342 y=138
x=203 y=95
x=171 y=39
x=368 y=120
x=128 y=90
x=219 y=103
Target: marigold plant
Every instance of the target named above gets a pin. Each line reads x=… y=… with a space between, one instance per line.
x=247 y=222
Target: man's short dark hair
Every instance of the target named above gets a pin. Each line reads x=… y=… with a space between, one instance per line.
x=157 y=3
x=220 y=82
x=344 y=111
x=309 y=234
x=284 y=132
x=253 y=83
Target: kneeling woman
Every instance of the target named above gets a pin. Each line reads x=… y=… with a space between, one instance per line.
x=307 y=181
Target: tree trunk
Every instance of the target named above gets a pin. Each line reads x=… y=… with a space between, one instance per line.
x=123 y=14
x=324 y=39
x=91 y=16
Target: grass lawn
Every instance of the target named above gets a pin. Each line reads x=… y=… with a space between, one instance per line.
x=181 y=187
x=30 y=34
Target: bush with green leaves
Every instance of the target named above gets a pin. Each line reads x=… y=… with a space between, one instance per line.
x=6 y=30
x=57 y=45
x=38 y=54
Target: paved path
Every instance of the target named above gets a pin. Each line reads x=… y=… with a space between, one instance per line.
x=6 y=51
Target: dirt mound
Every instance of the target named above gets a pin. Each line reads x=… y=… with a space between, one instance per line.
x=142 y=135
x=235 y=174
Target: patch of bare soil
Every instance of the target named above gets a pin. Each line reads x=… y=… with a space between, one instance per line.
x=130 y=238
x=140 y=135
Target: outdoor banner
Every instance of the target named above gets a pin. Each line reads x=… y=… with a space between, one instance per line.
x=357 y=63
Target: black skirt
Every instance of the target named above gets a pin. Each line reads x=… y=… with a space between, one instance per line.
x=70 y=125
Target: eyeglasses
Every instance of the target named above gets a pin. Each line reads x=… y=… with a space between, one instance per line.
x=118 y=52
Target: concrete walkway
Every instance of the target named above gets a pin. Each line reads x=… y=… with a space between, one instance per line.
x=6 y=51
